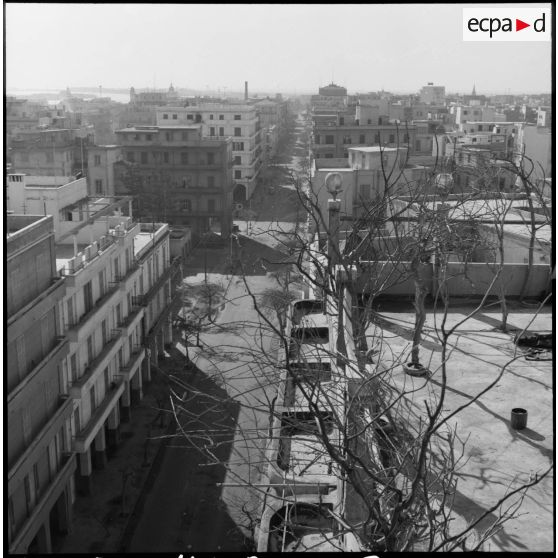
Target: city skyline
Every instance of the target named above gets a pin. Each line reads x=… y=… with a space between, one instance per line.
x=123 y=46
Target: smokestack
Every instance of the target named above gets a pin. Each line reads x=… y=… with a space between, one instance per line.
x=245 y=90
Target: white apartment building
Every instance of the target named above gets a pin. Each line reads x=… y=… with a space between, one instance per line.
x=237 y=121
x=433 y=94
x=112 y=318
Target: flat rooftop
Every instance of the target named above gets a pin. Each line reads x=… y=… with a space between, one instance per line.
x=496 y=456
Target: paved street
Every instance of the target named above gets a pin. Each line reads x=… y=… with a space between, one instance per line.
x=186 y=509
x=227 y=401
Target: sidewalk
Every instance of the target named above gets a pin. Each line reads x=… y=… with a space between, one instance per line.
x=103 y=520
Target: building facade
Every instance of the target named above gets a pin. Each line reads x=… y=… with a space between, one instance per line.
x=240 y=122
x=40 y=456
x=177 y=177
x=100 y=166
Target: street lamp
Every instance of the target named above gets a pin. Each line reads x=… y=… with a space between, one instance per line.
x=334 y=185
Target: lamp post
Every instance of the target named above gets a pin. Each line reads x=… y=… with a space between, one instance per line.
x=334 y=185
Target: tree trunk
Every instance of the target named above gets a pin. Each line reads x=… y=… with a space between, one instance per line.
x=420 y=316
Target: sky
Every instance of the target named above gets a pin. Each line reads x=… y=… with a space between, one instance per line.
x=287 y=48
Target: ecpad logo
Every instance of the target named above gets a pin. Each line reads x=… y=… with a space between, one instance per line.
x=506 y=24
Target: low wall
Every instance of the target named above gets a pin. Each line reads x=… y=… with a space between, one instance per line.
x=474 y=279
x=462 y=280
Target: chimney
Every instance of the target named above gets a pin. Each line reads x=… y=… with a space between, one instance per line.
x=245 y=90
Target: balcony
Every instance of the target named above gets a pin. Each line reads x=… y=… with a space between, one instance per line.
x=40 y=303
x=61 y=479
x=89 y=254
x=76 y=328
x=168 y=273
x=100 y=362
x=25 y=461
x=58 y=351
x=130 y=321
x=137 y=356
x=97 y=419
x=174 y=302
x=130 y=274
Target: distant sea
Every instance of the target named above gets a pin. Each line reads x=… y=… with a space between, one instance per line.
x=53 y=97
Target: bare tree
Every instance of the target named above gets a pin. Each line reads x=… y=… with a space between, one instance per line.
x=341 y=454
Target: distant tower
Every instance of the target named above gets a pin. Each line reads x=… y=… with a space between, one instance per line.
x=245 y=90
x=474 y=91
x=132 y=95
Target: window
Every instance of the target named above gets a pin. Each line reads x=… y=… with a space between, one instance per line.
x=361 y=139
x=211 y=181
x=329 y=156
x=92 y=398
x=237 y=174
x=98 y=186
x=465 y=112
x=221 y=117
x=184 y=158
x=166 y=156
x=97 y=162
x=317 y=139
x=107 y=379
x=370 y=121
x=212 y=131
x=221 y=132
x=87 y=296
x=187 y=205
x=90 y=349
x=237 y=160
x=211 y=205
x=144 y=157
x=210 y=158
x=148 y=137
x=168 y=136
x=104 y=332
x=165 y=116
x=377 y=138
x=175 y=116
x=238 y=146
x=210 y=117
x=237 y=132
x=73 y=368
x=130 y=157
x=237 y=116
x=189 y=117
x=329 y=140
x=347 y=139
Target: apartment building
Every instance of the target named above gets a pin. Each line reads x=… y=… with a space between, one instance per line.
x=237 y=121
x=330 y=96
x=102 y=323
x=363 y=179
x=51 y=152
x=100 y=169
x=433 y=94
x=40 y=458
x=330 y=141
x=176 y=176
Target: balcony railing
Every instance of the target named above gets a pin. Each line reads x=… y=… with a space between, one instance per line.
x=137 y=354
x=60 y=343
x=83 y=440
x=132 y=315
x=75 y=326
x=92 y=366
